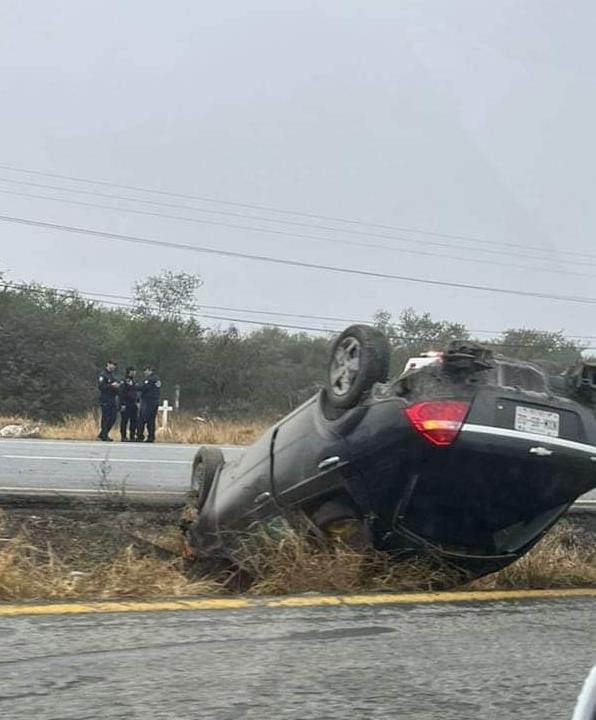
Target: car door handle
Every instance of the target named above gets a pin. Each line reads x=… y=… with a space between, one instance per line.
x=328 y=462
x=541 y=451
x=262 y=498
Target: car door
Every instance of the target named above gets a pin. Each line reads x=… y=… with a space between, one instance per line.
x=308 y=458
x=242 y=491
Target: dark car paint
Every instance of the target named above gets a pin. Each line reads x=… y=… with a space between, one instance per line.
x=481 y=502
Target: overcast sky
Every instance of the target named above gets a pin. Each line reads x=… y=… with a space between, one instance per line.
x=464 y=118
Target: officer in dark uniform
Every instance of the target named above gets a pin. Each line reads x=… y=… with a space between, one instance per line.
x=129 y=411
x=108 y=392
x=150 y=392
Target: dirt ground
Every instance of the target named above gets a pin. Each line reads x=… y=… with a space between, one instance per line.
x=86 y=535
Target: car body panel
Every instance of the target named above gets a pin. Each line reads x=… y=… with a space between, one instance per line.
x=307 y=458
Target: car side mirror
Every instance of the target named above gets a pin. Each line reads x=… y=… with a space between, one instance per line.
x=586 y=703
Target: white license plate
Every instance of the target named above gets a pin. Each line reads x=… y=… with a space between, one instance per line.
x=535 y=421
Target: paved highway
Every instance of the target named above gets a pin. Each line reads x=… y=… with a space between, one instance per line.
x=81 y=467
x=64 y=467
x=524 y=660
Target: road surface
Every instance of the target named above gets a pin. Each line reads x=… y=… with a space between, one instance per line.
x=524 y=660
x=66 y=467
x=72 y=467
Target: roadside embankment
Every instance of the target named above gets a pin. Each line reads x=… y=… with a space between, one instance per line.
x=90 y=551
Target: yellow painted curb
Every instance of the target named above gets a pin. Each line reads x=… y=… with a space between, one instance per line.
x=116 y=606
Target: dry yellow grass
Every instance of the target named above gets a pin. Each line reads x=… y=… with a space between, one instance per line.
x=29 y=573
x=295 y=563
x=185 y=429
x=288 y=564
x=31 y=570
x=182 y=429
x=561 y=559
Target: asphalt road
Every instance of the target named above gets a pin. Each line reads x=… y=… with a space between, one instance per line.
x=35 y=466
x=71 y=467
x=524 y=660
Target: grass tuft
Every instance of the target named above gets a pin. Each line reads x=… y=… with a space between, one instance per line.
x=295 y=563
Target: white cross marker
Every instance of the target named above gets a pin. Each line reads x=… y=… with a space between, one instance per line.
x=164 y=409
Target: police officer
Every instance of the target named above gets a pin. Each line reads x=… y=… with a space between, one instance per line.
x=150 y=392
x=129 y=412
x=108 y=391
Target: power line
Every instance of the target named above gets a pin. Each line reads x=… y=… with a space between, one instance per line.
x=252 y=311
x=273 y=313
x=293 y=263
x=226 y=308
x=63 y=292
x=279 y=211
x=324 y=228
x=114 y=296
x=190 y=316
x=202 y=306
x=417 y=252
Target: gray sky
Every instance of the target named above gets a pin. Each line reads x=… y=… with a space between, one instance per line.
x=470 y=118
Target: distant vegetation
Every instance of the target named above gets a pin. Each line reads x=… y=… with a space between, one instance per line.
x=52 y=345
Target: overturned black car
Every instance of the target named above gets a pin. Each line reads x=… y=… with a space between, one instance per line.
x=467 y=457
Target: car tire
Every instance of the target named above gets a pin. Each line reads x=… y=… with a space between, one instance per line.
x=205 y=465
x=359 y=358
x=340 y=523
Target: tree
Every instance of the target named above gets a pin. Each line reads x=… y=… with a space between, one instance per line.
x=287 y=368
x=45 y=368
x=414 y=333
x=382 y=320
x=168 y=296
x=263 y=374
x=172 y=347
x=552 y=350
x=223 y=367
x=52 y=345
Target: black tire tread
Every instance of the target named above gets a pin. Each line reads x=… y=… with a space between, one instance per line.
x=211 y=458
x=375 y=361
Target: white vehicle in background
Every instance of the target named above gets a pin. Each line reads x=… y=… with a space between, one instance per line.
x=586 y=703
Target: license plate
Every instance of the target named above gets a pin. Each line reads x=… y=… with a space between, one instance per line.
x=536 y=421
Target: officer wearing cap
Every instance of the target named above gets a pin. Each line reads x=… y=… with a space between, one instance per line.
x=150 y=392
x=108 y=391
x=129 y=411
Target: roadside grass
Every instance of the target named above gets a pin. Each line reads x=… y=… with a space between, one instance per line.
x=31 y=573
x=294 y=563
x=83 y=555
x=86 y=553
x=183 y=428
x=565 y=557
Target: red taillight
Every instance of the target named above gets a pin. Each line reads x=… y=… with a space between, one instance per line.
x=439 y=421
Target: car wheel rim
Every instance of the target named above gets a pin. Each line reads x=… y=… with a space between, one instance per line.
x=345 y=366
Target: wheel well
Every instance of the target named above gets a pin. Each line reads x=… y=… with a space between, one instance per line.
x=334 y=505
